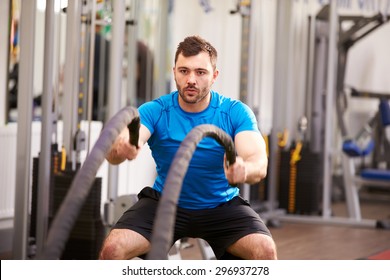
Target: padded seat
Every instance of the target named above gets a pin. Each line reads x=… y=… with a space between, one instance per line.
x=375 y=174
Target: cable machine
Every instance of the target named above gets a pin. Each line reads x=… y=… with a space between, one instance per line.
x=53 y=170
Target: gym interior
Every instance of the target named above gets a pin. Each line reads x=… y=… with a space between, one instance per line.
x=314 y=72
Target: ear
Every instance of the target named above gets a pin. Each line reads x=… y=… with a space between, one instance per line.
x=215 y=75
x=174 y=71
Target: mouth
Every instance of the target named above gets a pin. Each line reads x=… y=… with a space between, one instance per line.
x=191 y=90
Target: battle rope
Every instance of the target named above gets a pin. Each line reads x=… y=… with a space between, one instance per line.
x=162 y=235
x=82 y=183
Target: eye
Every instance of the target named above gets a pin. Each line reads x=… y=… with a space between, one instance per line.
x=183 y=71
x=201 y=72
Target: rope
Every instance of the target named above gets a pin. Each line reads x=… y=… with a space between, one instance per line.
x=82 y=183
x=162 y=235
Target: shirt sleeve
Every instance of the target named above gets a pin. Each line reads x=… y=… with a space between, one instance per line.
x=149 y=113
x=243 y=118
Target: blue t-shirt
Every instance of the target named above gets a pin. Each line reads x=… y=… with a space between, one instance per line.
x=205 y=184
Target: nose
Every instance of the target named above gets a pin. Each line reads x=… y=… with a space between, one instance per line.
x=191 y=78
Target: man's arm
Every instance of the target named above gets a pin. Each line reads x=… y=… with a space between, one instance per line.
x=122 y=149
x=251 y=162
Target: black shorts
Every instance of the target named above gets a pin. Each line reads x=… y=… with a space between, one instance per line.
x=220 y=226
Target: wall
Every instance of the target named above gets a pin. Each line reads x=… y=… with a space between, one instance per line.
x=368 y=69
x=217 y=26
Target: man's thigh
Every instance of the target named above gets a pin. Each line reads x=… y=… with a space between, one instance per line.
x=254 y=246
x=223 y=226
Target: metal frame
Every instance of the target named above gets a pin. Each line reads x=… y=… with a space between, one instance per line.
x=278 y=116
x=91 y=63
x=71 y=77
x=353 y=184
x=327 y=80
x=23 y=153
x=4 y=58
x=132 y=34
x=114 y=94
x=330 y=101
x=160 y=84
x=46 y=130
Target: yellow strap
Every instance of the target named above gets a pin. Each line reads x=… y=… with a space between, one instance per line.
x=63 y=158
x=296 y=154
x=282 y=138
x=295 y=157
x=292 y=188
x=266 y=140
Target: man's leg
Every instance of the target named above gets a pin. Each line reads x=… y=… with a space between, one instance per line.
x=255 y=246
x=129 y=236
x=122 y=244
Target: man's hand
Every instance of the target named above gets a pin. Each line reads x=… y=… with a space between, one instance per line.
x=122 y=149
x=236 y=172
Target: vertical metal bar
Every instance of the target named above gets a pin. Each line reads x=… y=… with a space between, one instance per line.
x=279 y=102
x=56 y=72
x=289 y=68
x=90 y=69
x=102 y=93
x=310 y=65
x=132 y=55
x=246 y=57
x=23 y=153
x=160 y=84
x=103 y=67
x=330 y=96
x=4 y=58
x=47 y=130
x=115 y=88
x=350 y=188
x=116 y=57
x=317 y=101
x=71 y=75
x=245 y=29
x=255 y=49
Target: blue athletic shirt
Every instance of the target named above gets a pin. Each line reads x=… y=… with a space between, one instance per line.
x=205 y=185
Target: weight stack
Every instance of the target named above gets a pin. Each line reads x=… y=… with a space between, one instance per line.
x=88 y=232
x=55 y=159
x=300 y=184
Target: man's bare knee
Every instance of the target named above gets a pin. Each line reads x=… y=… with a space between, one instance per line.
x=254 y=247
x=123 y=244
x=110 y=251
x=265 y=252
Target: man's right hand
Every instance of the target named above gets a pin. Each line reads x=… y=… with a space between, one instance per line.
x=122 y=149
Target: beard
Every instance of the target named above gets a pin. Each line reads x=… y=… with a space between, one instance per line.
x=194 y=98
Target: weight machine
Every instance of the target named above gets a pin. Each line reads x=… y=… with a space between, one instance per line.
x=371 y=139
x=330 y=42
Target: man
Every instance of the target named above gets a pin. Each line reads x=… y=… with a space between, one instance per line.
x=209 y=206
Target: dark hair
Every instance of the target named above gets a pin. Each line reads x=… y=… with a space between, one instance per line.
x=193 y=45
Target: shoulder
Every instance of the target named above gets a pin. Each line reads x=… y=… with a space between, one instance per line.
x=227 y=104
x=240 y=115
x=162 y=103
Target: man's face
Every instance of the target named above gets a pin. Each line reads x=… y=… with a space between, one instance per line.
x=194 y=76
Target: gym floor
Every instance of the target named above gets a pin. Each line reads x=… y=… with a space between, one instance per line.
x=308 y=241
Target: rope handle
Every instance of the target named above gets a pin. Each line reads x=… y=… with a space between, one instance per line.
x=133 y=127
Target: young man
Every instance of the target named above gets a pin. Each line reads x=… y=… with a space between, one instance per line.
x=209 y=206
